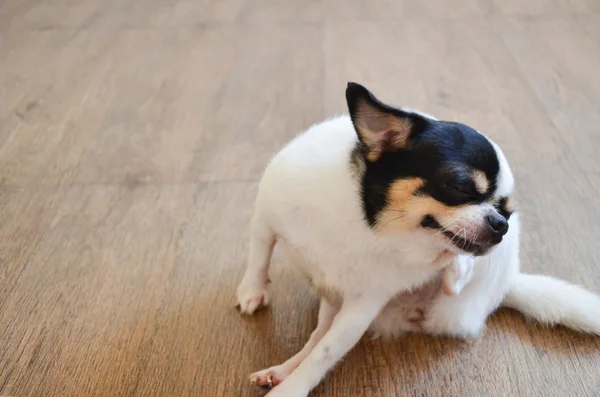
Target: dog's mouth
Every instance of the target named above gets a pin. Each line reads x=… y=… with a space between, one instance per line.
x=465 y=245
x=477 y=248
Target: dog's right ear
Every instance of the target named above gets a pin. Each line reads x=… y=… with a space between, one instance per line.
x=380 y=127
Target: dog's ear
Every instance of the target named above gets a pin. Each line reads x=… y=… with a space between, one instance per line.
x=380 y=127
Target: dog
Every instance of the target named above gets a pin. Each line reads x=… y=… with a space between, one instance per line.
x=402 y=223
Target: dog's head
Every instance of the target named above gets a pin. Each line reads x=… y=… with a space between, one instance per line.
x=442 y=179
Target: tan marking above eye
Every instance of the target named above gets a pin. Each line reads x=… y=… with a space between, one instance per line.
x=482 y=184
x=509 y=205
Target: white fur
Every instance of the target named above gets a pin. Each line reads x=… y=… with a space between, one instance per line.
x=551 y=301
x=506 y=180
x=308 y=201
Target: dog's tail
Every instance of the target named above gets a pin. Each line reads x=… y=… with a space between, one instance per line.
x=552 y=302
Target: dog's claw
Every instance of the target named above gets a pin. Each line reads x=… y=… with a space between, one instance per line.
x=269 y=384
x=268 y=378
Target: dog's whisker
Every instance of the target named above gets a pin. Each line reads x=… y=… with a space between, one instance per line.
x=390 y=221
x=454 y=235
x=446 y=227
x=396 y=210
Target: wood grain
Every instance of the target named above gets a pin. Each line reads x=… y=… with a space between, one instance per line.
x=132 y=137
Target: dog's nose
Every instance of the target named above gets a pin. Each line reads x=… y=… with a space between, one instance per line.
x=498 y=225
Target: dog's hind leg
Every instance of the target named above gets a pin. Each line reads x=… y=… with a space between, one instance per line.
x=253 y=290
x=271 y=377
x=356 y=314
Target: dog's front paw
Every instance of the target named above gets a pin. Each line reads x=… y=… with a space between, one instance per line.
x=252 y=294
x=269 y=378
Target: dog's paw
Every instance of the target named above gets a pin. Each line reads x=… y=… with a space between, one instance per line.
x=268 y=378
x=251 y=295
x=457 y=275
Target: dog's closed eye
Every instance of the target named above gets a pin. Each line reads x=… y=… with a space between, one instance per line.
x=462 y=191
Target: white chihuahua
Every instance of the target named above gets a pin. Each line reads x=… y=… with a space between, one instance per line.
x=402 y=223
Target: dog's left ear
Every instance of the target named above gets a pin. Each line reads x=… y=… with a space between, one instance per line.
x=380 y=127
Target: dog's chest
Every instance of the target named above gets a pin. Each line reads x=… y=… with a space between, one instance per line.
x=356 y=267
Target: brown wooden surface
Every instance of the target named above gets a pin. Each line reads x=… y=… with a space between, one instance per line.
x=132 y=137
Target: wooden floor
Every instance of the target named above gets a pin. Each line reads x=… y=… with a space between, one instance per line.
x=132 y=137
